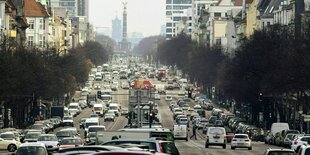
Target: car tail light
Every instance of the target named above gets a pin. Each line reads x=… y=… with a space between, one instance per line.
x=161 y=148
x=295 y=142
x=286 y=139
x=247 y=140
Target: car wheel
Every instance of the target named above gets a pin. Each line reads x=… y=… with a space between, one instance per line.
x=232 y=148
x=224 y=146
x=250 y=148
x=12 y=148
x=206 y=145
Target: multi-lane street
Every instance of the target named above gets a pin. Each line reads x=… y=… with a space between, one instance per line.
x=190 y=147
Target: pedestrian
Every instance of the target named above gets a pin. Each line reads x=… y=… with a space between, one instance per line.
x=262 y=135
x=194 y=132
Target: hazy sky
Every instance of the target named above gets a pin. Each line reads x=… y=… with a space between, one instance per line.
x=144 y=16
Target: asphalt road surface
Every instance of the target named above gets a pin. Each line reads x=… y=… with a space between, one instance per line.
x=191 y=147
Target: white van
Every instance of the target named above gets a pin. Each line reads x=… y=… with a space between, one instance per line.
x=114 y=107
x=94 y=121
x=277 y=127
x=74 y=108
x=216 y=136
x=66 y=112
x=106 y=99
x=180 y=132
x=98 y=76
x=98 y=109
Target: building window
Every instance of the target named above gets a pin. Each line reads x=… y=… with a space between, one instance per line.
x=168 y=1
x=268 y=23
x=176 y=18
x=53 y=32
x=41 y=24
x=168 y=13
x=168 y=35
x=217 y=14
x=189 y=24
x=218 y=42
x=189 y=18
x=43 y=41
x=44 y=24
x=168 y=24
x=30 y=41
x=168 y=30
x=31 y=24
x=168 y=7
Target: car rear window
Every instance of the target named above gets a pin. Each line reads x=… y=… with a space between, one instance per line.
x=169 y=148
x=281 y=153
x=150 y=145
x=219 y=131
x=241 y=136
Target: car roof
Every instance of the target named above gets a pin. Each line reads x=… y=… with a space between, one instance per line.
x=71 y=138
x=8 y=132
x=47 y=135
x=241 y=134
x=284 y=150
x=94 y=148
x=32 y=144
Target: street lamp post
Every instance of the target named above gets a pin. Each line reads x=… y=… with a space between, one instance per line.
x=150 y=114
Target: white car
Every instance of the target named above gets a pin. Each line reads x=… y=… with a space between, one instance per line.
x=297 y=143
x=67 y=120
x=10 y=145
x=33 y=148
x=50 y=141
x=168 y=98
x=241 y=141
x=157 y=97
x=304 y=150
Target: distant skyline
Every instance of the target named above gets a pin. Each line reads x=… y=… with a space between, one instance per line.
x=144 y=16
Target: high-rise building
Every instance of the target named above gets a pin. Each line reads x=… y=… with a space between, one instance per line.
x=83 y=8
x=70 y=5
x=117 y=29
x=175 y=11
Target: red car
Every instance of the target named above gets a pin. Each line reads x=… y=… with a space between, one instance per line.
x=229 y=136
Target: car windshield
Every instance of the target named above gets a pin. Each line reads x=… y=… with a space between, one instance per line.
x=36 y=126
x=96 y=129
x=73 y=107
x=47 y=138
x=64 y=134
x=97 y=108
x=71 y=142
x=32 y=135
x=33 y=150
x=90 y=124
x=67 y=118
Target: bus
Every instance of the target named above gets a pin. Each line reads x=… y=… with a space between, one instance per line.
x=157 y=133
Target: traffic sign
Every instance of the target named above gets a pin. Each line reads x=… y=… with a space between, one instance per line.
x=306 y=118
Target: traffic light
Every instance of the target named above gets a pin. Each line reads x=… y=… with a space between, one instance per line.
x=189 y=94
x=146 y=115
x=152 y=117
x=99 y=94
